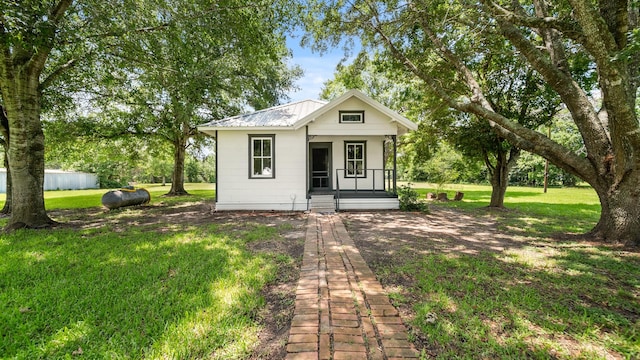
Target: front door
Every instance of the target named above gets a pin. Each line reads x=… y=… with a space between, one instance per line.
x=320 y=168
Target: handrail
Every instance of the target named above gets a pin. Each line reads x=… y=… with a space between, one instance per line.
x=372 y=178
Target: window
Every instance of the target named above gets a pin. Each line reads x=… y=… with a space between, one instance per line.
x=351 y=117
x=261 y=156
x=354 y=158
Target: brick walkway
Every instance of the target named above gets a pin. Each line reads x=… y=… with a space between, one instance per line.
x=341 y=310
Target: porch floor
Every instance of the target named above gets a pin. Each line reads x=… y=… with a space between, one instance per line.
x=353 y=194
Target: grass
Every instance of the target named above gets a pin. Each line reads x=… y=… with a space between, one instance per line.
x=79 y=199
x=490 y=306
x=185 y=291
x=193 y=291
x=530 y=211
x=540 y=298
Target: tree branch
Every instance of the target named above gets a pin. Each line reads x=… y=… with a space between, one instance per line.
x=571 y=29
x=487 y=162
x=56 y=73
x=593 y=131
x=41 y=53
x=515 y=133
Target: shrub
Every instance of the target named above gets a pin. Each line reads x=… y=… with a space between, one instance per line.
x=410 y=199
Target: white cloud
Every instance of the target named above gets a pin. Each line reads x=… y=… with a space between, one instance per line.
x=317 y=70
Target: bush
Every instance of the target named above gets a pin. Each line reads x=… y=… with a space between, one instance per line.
x=410 y=199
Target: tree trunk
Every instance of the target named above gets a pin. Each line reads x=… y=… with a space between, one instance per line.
x=505 y=160
x=620 y=215
x=499 y=183
x=26 y=155
x=177 y=179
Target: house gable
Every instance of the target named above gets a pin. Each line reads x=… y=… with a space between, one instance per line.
x=373 y=121
x=377 y=118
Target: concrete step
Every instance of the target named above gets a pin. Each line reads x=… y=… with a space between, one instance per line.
x=322 y=204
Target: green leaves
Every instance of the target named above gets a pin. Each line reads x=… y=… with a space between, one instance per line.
x=158 y=68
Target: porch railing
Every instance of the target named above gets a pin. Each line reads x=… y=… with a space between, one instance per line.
x=368 y=180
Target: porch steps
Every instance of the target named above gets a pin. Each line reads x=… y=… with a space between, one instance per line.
x=322 y=204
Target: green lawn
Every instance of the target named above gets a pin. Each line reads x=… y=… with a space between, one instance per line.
x=184 y=291
x=530 y=211
x=574 y=303
x=545 y=296
x=77 y=199
x=194 y=291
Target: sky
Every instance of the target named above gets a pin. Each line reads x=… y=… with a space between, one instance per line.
x=317 y=69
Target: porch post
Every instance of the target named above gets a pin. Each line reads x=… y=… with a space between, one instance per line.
x=215 y=150
x=306 y=157
x=395 y=163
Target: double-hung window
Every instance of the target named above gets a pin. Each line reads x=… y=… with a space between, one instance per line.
x=354 y=158
x=261 y=156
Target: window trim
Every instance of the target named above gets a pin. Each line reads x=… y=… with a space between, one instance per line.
x=271 y=137
x=346 y=159
x=342 y=113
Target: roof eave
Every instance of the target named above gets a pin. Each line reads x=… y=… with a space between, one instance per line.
x=244 y=128
x=406 y=123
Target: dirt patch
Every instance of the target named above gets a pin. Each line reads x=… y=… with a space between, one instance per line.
x=388 y=239
x=289 y=244
x=383 y=238
x=280 y=295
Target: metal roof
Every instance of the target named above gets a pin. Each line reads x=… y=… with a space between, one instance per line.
x=279 y=116
x=295 y=115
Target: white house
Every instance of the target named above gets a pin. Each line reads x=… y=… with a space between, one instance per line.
x=309 y=154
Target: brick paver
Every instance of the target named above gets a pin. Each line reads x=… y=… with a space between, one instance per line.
x=341 y=310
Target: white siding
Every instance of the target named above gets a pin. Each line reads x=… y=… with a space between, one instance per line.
x=236 y=191
x=60 y=180
x=374 y=160
x=375 y=122
x=369 y=204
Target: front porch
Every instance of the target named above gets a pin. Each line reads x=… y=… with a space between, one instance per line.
x=368 y=189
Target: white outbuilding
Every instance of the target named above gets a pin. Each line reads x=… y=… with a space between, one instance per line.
x=341 y=154
x=59 y=180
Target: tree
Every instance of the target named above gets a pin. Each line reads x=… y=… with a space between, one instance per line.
x=41 y=44
x=210 y=67
x=57 y=44
x=517 y=93
x=523 y=96
x=28 y=34
x=568 y=44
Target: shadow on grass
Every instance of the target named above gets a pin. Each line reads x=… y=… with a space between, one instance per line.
x=498 y=295
x=493 y=306
x=132 y=294
x=535 y=218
